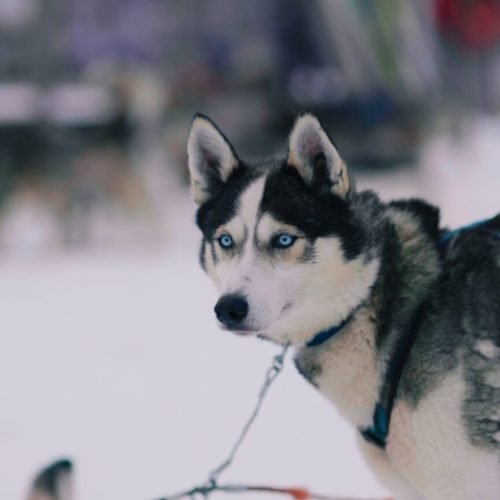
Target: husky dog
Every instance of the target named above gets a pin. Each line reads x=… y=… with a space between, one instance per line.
x=393 y=319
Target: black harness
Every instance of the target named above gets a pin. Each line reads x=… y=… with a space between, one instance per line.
x=379 y=429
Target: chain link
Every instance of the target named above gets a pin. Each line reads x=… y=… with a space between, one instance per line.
x=211 y=484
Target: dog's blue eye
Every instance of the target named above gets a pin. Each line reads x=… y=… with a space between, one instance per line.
x=285 y=240
x=225 y=241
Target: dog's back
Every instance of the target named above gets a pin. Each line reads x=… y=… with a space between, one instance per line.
x=445 y=432
x=462 y=331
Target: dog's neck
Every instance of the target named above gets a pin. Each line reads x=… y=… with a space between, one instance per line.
x=326 y=335
x=350 y=368
x=345 y=368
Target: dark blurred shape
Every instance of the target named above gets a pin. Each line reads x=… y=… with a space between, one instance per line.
x=54 y=482
x=362 y=74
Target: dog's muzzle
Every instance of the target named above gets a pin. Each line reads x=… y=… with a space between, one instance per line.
x=231 y=310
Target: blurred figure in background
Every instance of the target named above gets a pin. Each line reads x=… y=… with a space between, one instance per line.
x=96 y=98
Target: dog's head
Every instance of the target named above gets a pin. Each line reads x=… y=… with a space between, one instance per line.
x=280 y=239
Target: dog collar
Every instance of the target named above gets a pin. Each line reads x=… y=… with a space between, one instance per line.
x=379 y=430
x=325 y=335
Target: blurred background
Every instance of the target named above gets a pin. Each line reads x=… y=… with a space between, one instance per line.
x=108 y=350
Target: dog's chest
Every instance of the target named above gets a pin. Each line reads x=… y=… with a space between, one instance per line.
x=345 y=370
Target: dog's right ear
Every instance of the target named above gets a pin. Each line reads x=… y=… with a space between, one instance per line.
x=211 y=159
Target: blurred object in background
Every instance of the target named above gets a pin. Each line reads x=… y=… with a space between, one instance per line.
x=107 y=318
x=96 y=98
x=370 y=72
x=470 y=36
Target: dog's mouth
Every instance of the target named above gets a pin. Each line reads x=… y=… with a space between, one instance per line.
x=242 y=332
x=247 y=330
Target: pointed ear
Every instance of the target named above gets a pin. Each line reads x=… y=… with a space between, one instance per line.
x=54 y=482
x=211 y=159
x=314 y=156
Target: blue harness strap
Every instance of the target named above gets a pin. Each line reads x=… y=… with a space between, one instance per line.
x=486 y=226
x=379 y=430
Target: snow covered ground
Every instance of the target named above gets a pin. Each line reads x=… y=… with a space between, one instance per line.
x=115 y=360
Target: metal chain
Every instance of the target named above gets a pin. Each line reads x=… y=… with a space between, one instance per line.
x=211 y=484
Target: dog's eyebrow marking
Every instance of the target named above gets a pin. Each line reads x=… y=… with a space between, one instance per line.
x=237 y=230
x=487 y=349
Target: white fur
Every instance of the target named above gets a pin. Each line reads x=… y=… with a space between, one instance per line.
x=386 y=472
x=287 y=301
x=487 y=348
x=493 y=378
x=429 y=453
x=236 y=274
x=324 y=293
x=350 y=373
x=248 y=273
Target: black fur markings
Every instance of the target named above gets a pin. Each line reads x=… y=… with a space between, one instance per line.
x=215 y=259
x=213 y=177
x=289 y=200
x=427 y=214
x=222 y=207
x=314 y=211
x=321 y=182
x=483 y=428
x=201 y=255
x=309 y=254
x=308 y=368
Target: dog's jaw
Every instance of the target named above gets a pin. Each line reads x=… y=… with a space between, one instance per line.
x=342 y=293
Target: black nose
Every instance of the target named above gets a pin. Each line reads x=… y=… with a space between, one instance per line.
x=231 y=310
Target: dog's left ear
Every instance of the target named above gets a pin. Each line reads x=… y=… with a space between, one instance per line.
x=211 y=159
x=313 y=155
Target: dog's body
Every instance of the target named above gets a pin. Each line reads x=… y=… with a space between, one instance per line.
x=294 y=251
